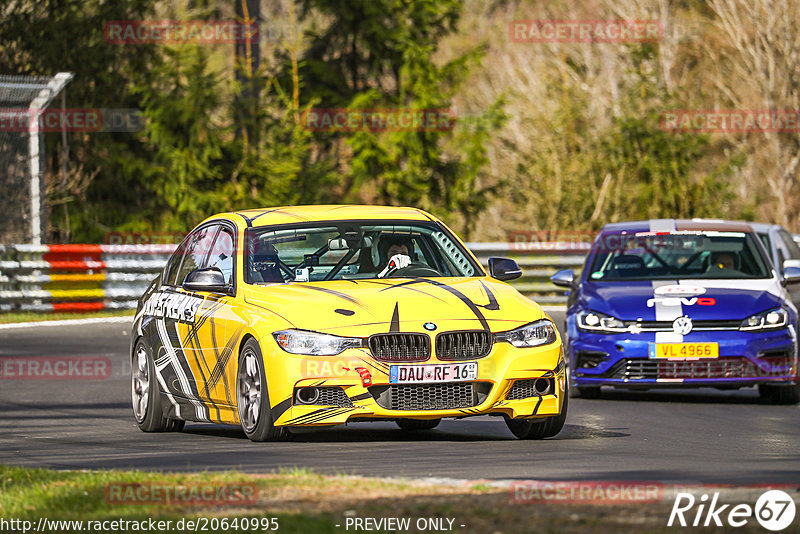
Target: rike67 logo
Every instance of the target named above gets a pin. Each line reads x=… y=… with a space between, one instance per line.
x=774 y=510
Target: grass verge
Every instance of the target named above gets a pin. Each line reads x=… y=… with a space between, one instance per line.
x=301 y=502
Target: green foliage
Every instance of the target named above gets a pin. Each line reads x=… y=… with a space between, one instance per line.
x=379 y=55
x=186 y=143
x=581 y=175
x=582 y=169
x=281 y=169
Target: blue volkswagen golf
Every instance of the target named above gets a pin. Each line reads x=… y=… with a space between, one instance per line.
x=681 y=303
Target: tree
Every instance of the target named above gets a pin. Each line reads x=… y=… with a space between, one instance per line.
x=379 y=55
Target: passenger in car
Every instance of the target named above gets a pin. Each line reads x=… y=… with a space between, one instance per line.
x=722 y=260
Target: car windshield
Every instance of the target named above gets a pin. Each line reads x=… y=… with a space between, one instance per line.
x=352 y=251
x=684 y=255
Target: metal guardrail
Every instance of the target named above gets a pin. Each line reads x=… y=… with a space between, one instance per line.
x=80 y=278
x=538 y=260
x=47 y=278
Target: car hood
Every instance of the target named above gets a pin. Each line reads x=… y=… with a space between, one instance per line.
x=365 y=307
x=716 y=299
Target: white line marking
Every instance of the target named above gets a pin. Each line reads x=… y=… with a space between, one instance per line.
x=69 y=322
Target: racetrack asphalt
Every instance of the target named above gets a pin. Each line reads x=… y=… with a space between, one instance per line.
x=678 y=436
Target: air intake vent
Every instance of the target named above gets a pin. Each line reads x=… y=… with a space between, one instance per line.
x=431 y=396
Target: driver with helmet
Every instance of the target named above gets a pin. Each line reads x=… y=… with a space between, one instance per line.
x=396 y=252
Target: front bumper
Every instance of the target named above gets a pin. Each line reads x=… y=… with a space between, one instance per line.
x=745 y=359
x=497 y=372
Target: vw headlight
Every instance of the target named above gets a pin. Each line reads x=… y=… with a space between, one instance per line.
x=313 y=343
x=599 y=322
x=776 y=318
x=534 y=334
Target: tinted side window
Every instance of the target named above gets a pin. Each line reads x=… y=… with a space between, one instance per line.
x=197 y=248
x=222 y=254
x=794 y=250
x=174 y=264
x=765 y=240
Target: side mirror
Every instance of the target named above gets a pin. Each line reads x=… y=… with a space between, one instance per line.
x=564 y=278
x=504 y=269
x=209 y=279
x=791 y=275
x=790 y=263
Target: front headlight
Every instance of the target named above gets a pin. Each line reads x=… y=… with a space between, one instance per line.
x=313 y=343
x=599 y=322
x=776 y=318
x=538 y=333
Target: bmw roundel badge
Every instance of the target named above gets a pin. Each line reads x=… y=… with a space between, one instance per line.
x=429 y=326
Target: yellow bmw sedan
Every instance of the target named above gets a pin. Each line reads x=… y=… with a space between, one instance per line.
x=309 y=316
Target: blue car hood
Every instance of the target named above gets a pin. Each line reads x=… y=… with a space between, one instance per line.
x=719 y=300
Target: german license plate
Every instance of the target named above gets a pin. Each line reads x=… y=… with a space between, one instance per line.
x=447 y=372
x=683 y=351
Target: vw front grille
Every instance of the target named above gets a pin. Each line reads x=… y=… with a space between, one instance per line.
x=654 y=369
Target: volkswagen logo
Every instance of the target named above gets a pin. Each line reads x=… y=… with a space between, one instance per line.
x=682 y=325
x=429 y=326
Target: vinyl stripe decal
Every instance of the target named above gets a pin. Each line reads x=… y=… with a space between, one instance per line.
x=394 y=325
x=171 y=359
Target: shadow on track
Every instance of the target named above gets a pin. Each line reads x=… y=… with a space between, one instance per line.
x=370 y=432
x=696 y=396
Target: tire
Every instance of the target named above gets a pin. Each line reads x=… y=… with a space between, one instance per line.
x=252 y=397
x=780 y=394
x=539 y=428
x=418 y=424
x=146 y=394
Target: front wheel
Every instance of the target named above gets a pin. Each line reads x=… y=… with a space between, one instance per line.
x=418 y=424
x=252 y=397
x=146 y=394
x=779 y=394
x=546 y=427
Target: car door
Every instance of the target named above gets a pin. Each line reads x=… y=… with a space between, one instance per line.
x=790 y=253
x=172 y=313
x=213 y=340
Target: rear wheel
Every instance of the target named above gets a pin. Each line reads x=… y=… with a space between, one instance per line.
x=146 y=394
x=252 y=397
x=546 y=427
x=780 y=394
x=418 y=424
